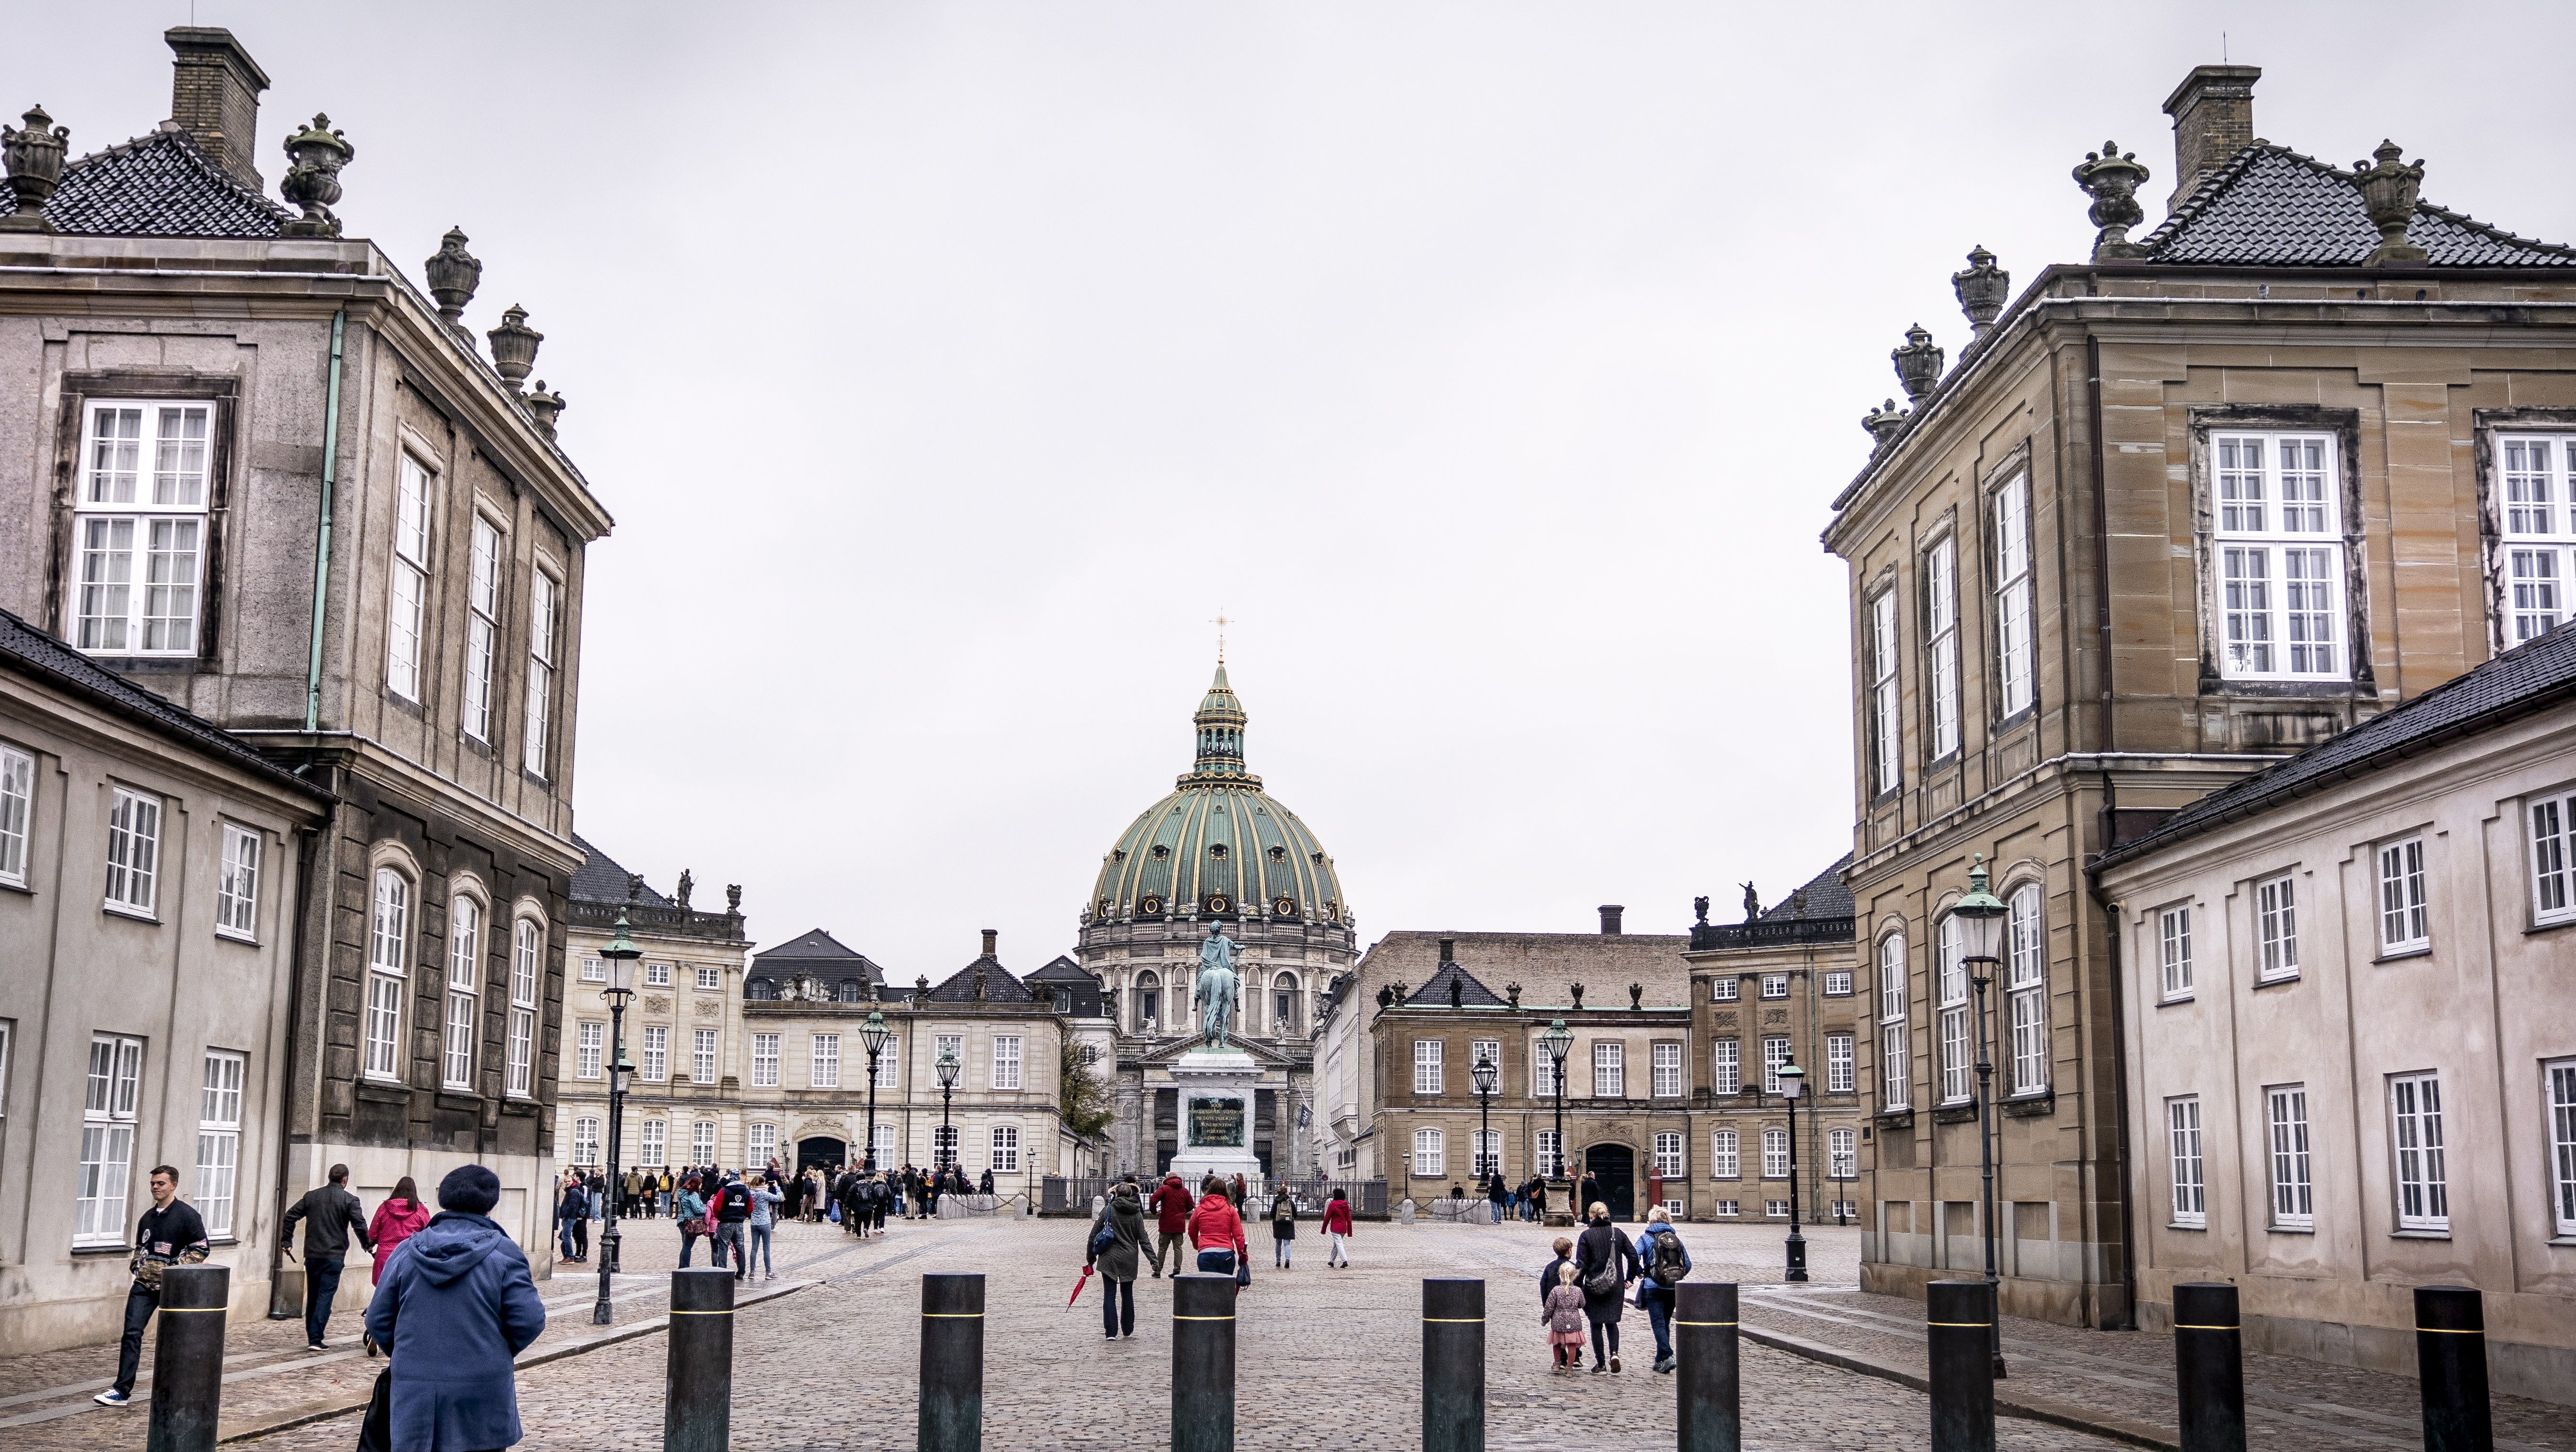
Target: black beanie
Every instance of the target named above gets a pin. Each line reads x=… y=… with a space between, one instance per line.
x=471 y=1189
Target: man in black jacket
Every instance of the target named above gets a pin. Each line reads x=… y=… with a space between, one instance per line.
x=170 y=1233
x=329 y=1213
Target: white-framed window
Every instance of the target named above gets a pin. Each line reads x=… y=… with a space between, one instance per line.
x=657 y=975
x=2182 y=1132
x=1609 y=1070
x=2558 y=1080
x=1486 y=1051
x=1842 y=1154
x=589 y=1041
x=1006 y=1062
x=949 y=1046
x=2016 y=647
x=655 y=1064
x=1488 y=1150
x=593 y=971
x=2173 y=949
x=890 y=1063
x=1542 y=1072
x=2285 y=1110
x=2280 y=556
x=388 y=953
x=464 y=953
x=1724 y=990
x=133 y=851
x=709 y=979
x=482 y=626
x=585 y=1140
x=1886 y=720
x=1775 y=1154
x=2423 y=1185
x=237 y=884
x=1941 y=601
x=702 y=1056
x=1006 y=1149
x=140 y=528
x=764 y=1061
x=827 y=1061
x=525 y=955
x=2276 y=927
x=702 y=1142
x=1838 y=983
x=1726 y=1066
x=1839 y=1063
x=2553 y=846
x=406 y=614
x=1547 y=1152
x=762 y=1145
x=1776 y=1209
x=1426 y=1066
x=1775 y=985
x=114 y=1090
x=1724 y=1162
x=542 y=591
x=1952 y=972
x=1429 y=1155
x=2404 y=926
x=1668 y=1154
x=1895 y=1054
x=885 y=1138
x=17 y=812
x=219 y=1115
x=653 y=1146
x=1845 y=1210
x=2539 y=532
x=1775 y=1056
x=2026 y=990
x=1728 y=1209
x=943 y=1145
x=1667 y=1071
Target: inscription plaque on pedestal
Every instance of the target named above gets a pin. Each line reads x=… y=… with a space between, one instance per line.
x=1216 y=1124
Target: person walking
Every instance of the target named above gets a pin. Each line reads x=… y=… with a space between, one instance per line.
x=1235 y=1191
x=1604 y=1263
x=452 y=1311
x=1547 y=1276
x=1171 y=1207
x=1114 y=1245
x=329 y=1213
x=732 y=1204
x=1586 y=1192
x=1337 y=1224
x=1498 y=1195
x=1538 y=1200
x=1217 y=1233
x=666 y=1187
x=1561 y=1311
x=765 y=1201
x=572 y=1220
x=168 y=1234
x=692 y=1210
x=1283 y=1229
x=398 y=1219
x=1665 y=1261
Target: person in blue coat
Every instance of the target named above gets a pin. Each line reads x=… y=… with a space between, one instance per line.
x=456 y=1305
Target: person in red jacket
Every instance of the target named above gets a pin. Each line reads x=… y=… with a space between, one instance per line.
x=1217 y=1231
x=1337 y=1224
x=1171 y=1207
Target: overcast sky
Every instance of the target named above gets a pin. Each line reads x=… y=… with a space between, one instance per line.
x=949 y=368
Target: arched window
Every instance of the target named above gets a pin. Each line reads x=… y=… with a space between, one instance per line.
x=1775 y=1154
x=388 y=937
x=1283 y=1005
x=1723 y=1162
x=2026 y=991
x=464 y=957
x=1006 y=1149
x=1149 y=1001
x=1895 y=1051
x=761 y=990
x=527 y=955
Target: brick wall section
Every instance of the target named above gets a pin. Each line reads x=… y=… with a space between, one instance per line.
x=214 y=96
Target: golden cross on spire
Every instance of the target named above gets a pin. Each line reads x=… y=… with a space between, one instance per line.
x=1220 y=623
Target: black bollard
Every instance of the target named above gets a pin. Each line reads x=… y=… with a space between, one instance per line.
x=952 y=1364
x=1453 y=1366
x=1958 y=1319
x=1202 y=1363
x=188 y=1364
x=1711 y=1417
x=2209 y=1367
x=697 y=1390
x=2451 y=1360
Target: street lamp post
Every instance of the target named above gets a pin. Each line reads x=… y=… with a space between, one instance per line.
x=947 y=1067
x=1979 y=914
x=620 y=954
x=1793 y=1081
x=1485 y=1075
x=874 y=1036
x=1557 y=1041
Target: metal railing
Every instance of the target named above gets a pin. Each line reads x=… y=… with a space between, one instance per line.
x=1072 y=1195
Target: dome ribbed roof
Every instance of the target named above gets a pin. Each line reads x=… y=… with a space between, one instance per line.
x=1218 y=845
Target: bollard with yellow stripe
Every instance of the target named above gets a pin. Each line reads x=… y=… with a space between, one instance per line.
x=2451 y=1364
x=2209 y=1367
x=952 y=1364
x=1710 y=1417
x=1453 y=1365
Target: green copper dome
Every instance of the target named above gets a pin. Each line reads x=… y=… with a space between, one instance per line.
x=1218 y=846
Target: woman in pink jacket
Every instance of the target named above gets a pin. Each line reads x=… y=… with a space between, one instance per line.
x=396 y=1221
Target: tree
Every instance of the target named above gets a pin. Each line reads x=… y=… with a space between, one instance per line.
x=1082 y=1097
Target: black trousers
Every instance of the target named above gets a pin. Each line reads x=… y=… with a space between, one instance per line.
x=140 y=1303
x=1118 y=1306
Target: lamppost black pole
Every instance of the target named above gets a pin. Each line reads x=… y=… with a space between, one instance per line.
x=1979 y=913
x=620 y=954
x=1793 y=1080
x=874 y=1035
x=1557 y=1041
x=1485 y=1075
x=947 y=1067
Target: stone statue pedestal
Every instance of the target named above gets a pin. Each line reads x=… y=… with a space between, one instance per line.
x=1217 y=1094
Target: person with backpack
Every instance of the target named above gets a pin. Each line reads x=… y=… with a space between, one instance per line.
x=1604 y=1264
x=1283 y=1229
x=731 y=1205
x=1337 y=1224
x=693 y=1218
x=573 y=1215
x=1666 y=1261
x=1116 y=1245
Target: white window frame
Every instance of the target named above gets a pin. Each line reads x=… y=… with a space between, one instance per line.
x=885 y=1143
x=2536 y=533
x=1726 y=1066
x=760 y=1144
x=2276 y=511
x=1667 y=1071
x=590 y=1043
x=1006 y=1149
x=406 y=611
x=388 y=975
x=2276 y=928
x=1729 y=1209
x=890 y=1063
x=2173 y=951
x=1841 y=1052
x=1546 y=1151
x=1671 y=1159
x=710 y=978
x=826 y=1062
x=2405 y=913
x=2025 y=966
x=1775 y=985
x=657 y=975
x=593 y=971
x=1895 y=1049
x=2187 y=1171
x=1609 y=1069
x=133 y=851
x=764 y=1060
x=1725 y=1158
x=464 y=959
x=1958 y=1085
x=219 y=1116
x=702 y=1142
x=482 y=626
x=1427 y=1067
x=653 y=1143
x=702 y=1056
x=653 y=1054
x=544 y=596
x=1775 y=1154
x=1842 y=1154
x=109 y=1110
x=1726 y=989
x=2558 y=1101
x=157 y=516
x=2285 y=1117
x=2016 y=609
x=1775 y=1057
x=2553 y=859
x=1006 y=1061
x=1430 y=1154
x=1886 y=708
x=1838 y=983
x=2416 y=1133
x=526 y=961
x=17 y=812
x=237 y=884
x=1941 y=648
x=585 y=1140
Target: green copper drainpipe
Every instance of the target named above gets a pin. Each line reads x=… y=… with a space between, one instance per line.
x=322 y=533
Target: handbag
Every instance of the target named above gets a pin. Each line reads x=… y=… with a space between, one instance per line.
x=1102 y=1239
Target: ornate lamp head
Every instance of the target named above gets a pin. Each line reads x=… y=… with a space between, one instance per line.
x=1918 y=363
x=453 y=275
x=34 y=153
x=1884 y=423
x=313 y=182
x=514 y=346
x=1983 y=290
x=2112 y=177
x=2389 y=190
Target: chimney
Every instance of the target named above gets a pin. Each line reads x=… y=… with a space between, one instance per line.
x=2213 y=115
x=1448 y=950
x=990 y=934
x=1610 y=912
x=214 y=97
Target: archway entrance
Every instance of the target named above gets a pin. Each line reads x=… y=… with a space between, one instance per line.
x=1615 y=1167
x=820 y=1151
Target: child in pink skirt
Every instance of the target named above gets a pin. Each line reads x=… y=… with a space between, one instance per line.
x=1564 y=1319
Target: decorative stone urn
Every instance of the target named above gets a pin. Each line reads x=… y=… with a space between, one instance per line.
x=313 y=182
x=514 y=346
x=543 y=409
x=1983 y=290
x=2388 y=191
x=1884 y=423
x=35 y=156
x=2112 y=177
x=453 y=275
x=1918 y=363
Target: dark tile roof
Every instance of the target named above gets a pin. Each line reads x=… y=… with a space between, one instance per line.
x=817 y=952
x=40 y=654
x=2531 y=676
x=157 y=185
x=1823 y=896
x=1063 y=969
x=999 y=985
x=600 y=878
x=2270 y=206
x=1434 y=993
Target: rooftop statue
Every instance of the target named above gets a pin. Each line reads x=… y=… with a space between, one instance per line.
x=1216 y=987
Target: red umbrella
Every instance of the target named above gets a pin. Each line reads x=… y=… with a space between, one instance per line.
x=1077 y=1288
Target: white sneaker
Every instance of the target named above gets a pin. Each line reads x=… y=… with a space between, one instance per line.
x=111 y=1398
